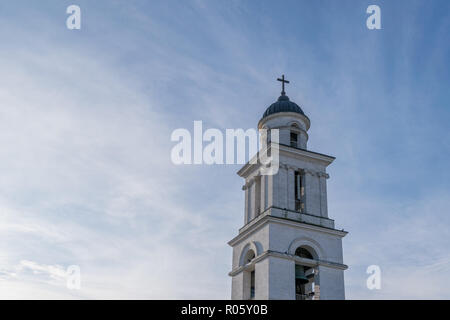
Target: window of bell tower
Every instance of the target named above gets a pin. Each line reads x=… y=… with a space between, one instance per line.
x=249 y=275
x=294 y=139
x=304 y=277
x=299 y=191
x=249 y=256
x=252 y=284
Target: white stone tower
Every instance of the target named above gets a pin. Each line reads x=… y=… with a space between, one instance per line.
x=288 y=247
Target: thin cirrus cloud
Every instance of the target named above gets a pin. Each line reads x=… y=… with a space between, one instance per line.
x=83 y=184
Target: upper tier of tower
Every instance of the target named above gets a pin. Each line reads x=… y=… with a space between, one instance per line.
x=291 y=121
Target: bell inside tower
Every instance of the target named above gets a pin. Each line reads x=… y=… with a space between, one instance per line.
x=304 y=277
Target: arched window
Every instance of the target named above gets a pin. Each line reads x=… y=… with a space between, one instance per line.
x=250 y=275
x=304 y=276
x=249 y=256
x=303 y=253
x=294 y=135
x=294 y=139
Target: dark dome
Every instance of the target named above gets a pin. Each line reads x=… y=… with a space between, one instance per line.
x=283 y=104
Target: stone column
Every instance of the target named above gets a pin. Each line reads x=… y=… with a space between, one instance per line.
x=279 y=188
x=281 y=278
x=331 y=283
x=257 y=196
x=323 y=194
x=283 y=187
x=263 y=201
x=245 y=188
x=316 y=284
x=269 y=181
x=246 y=285
x=249 y=199
x=252 y=198
x=312 y=193
x=237 y=287
x=262 y=280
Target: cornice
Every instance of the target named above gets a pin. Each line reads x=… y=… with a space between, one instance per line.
x=265 y=219
x=307 y=171
x=307 y=154
x=312 y=156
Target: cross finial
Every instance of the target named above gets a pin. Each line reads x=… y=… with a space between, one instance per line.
x=282 y=84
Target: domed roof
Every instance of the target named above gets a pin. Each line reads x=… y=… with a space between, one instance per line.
x=283 y=104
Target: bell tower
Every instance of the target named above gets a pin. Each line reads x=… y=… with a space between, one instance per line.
x=288 y=247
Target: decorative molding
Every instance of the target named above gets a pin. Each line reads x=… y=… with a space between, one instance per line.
x=257 y=248
x=308 y=262
x=249 y=183
x=265 y=218
x=307 y=171
x=293 y=115
x=286 y=150
x=303 y=241
x=317 y=173
x=323 y=175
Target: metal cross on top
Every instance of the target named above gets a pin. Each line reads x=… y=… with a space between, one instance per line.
x=282 y=84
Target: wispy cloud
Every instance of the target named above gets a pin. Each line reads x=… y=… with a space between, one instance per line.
x=85 y=123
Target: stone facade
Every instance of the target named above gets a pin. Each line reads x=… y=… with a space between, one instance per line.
x=275 y=228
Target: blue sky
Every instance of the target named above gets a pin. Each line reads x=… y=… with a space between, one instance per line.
x=86 y=118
